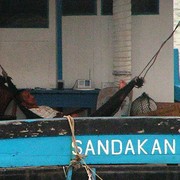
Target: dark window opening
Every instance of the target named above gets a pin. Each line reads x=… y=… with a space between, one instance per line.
x=79 y=7
x=145 y=7
x=106 y=7
x=24 y=14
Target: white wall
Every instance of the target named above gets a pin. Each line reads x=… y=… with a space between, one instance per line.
x=148 y=33
x=29 y=55
x=176 y=20
x=87 y=46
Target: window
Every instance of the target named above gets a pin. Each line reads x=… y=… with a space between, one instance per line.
x=79 y=7
x=106 y=7
x=144 y=7
x=24 y=14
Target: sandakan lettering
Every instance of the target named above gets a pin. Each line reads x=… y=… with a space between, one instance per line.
x=89 y=148
x=129 y=147
x=102 y=147
x=115 y=152
x=140 y=146
x=156 y=147
x=171 y=147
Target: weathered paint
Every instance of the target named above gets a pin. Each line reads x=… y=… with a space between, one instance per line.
x=99 y=149
x=89 y=126
x=104 y=140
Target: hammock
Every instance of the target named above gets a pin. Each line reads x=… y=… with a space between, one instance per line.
x=113 y=104
x=9 y=92
x=5 y=99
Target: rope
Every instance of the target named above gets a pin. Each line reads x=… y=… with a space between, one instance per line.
x=153 y=59
x=79 y=158
x=4 y=73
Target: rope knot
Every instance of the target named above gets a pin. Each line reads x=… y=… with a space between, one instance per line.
x=78 y=160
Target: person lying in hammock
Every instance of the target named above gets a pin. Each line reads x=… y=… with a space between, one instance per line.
x=107 y=109
x=29 y=101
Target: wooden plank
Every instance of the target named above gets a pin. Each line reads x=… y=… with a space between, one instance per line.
x=89 y=126
x=101 y=149
x=103 y=140
x=115 y=172
x=165 y=109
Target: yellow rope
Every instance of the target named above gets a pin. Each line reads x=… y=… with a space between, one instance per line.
x=79 y=157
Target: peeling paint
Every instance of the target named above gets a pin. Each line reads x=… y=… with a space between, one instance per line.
x=40 y=131
x=17 y=123
x=141 y=131
x=90 y=126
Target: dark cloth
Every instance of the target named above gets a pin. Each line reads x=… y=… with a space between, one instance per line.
x=2 y=80
x=8 y=81
x=11 y=86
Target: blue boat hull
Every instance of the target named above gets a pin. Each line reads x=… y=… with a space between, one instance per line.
x=109 y=145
